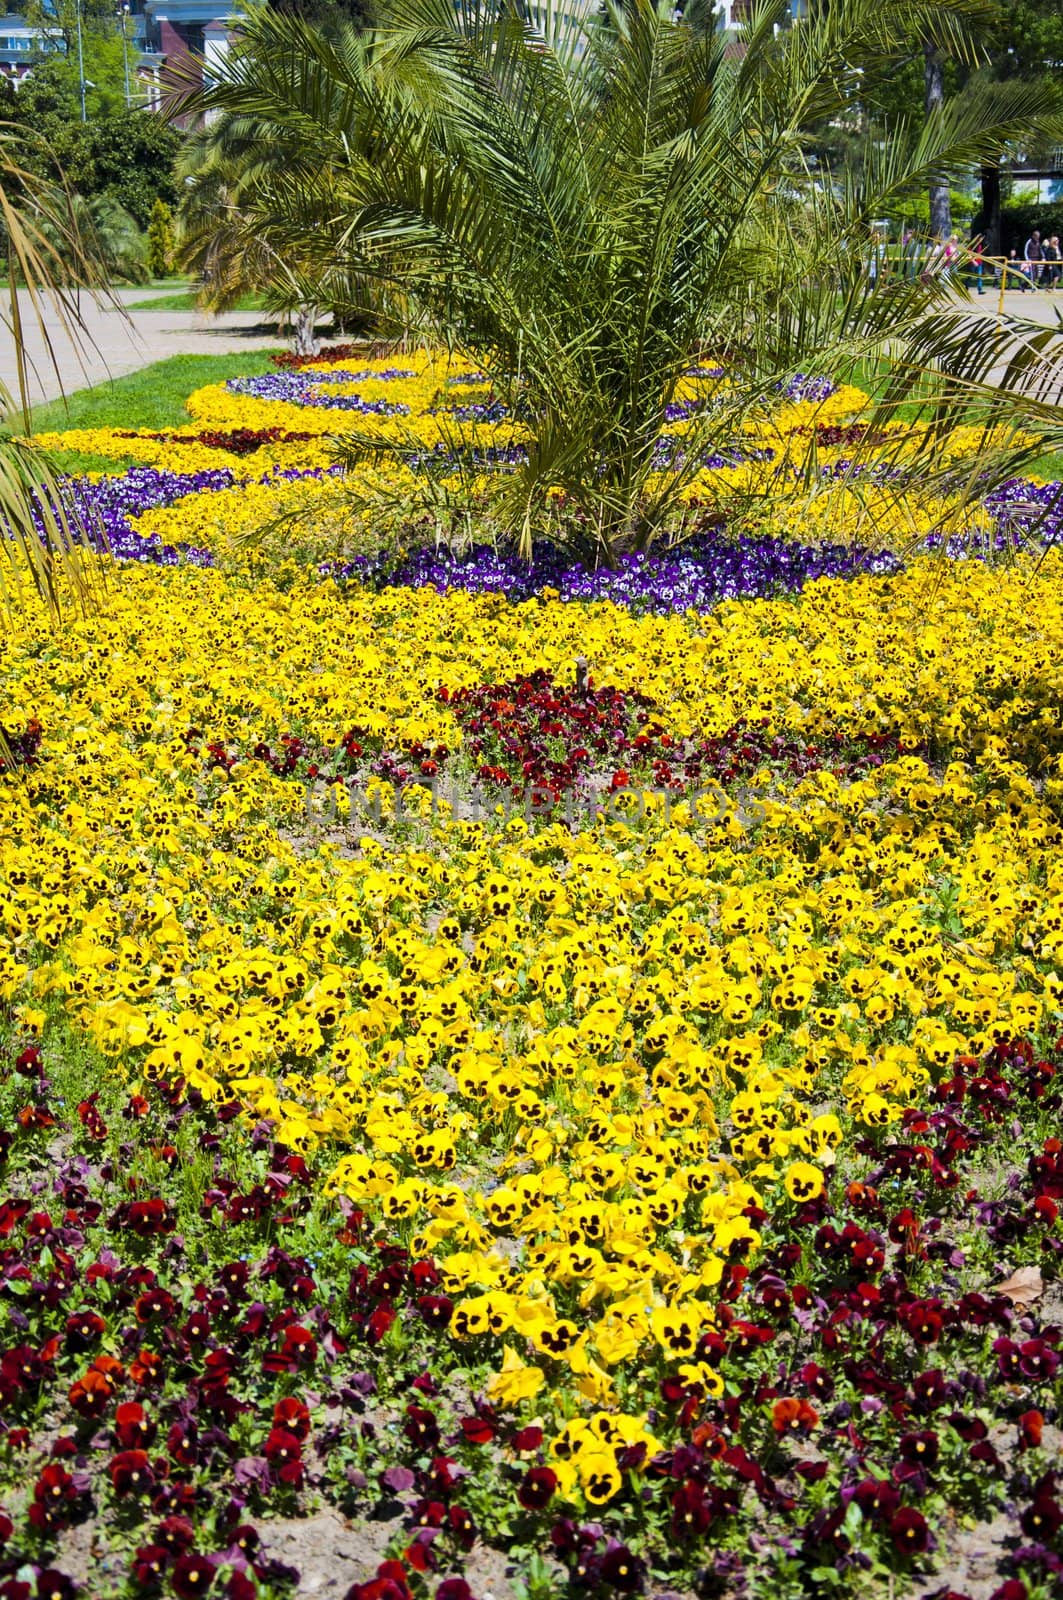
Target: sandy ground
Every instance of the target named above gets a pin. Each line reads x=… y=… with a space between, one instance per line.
x=115 y=344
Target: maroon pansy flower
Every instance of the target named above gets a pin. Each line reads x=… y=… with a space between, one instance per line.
x=909 y=1531
x=131 y=1472
x=461 y=1527
x=149 y=1566
x=537 y=1488
x=421 y=1427
x=284 y=1453
x=83 y=1329
x=919 y=1449
x=133 y=1428
x=293 y=1414
x=55 y=1585
x=1042 y=1519
x=621 y=1570
x=192 y=1575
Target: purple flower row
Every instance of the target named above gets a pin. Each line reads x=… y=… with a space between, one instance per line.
x=697 y=576
x=304 y=389
x=705 y=571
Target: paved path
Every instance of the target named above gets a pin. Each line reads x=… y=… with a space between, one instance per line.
x=1035 y=306
x=116 y=344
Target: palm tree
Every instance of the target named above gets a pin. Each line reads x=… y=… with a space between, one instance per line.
x=47 y=267
x=587 y=209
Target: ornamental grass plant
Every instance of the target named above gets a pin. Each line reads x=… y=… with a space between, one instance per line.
x=589 y=208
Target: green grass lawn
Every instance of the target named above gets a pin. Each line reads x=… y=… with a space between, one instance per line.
x=185 y=300
x=154 y=397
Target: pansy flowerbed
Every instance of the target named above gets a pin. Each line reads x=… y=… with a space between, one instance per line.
x=526 y=1082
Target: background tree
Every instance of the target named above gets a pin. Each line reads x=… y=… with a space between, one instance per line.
x=123 y=156
x=160 y=240
x=1026 y=46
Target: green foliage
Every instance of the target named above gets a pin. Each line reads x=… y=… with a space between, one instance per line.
x=1018 y=222
x=125 y=155
x=914 y=210
x=160 y=240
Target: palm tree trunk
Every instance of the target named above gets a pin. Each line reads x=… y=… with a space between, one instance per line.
x=990 y=220
x=934 y=81
x=305 y=342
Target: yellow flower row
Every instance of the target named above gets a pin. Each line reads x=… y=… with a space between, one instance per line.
x=566 y=1063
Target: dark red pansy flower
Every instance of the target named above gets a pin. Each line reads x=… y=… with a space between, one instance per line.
x=292 y=1413
x=920 y=1449
x=240 y=1587
x=1037 y=1359
x=380 y=1320
x=149 y=1565
x=131 y=1472
x=284 y=1453
x=378 y=1589
x=192 y=1575
x=454 y=1589
x=537 y=1488
x=419 y=1554
x=197 y=1327
x=155 y=1305
x=54 y=1585
x=876 y=1498
x=1031 y=1424
x=429 y=1513
x=424 y=1275
x=1042 y=1519
x=83 y=1329
x=7 y=1528
x=527 y=1439
x=53 y=1494
x=970 y=1429
x=621 y=1570
x=421 y=1427
x=691 y=1515
x=909 y=1531
x=929 y=1390
x=436 y=1309
x=176 y=1534
x=441 y=1477
x=132 y=1426
x=461 y=1527
x=818 y=1379
x=477 y=1430
x=1012 y=1589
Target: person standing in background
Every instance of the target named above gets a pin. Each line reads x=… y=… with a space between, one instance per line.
x=1052 y=262
x=977 y=263
x=1034 y=254
x=1016 y=273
